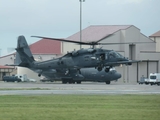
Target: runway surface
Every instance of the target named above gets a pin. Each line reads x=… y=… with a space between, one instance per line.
x=84 y=88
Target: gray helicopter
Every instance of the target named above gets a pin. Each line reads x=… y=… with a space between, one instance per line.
x=97 y=58
x=24 y=58
x=87 y=74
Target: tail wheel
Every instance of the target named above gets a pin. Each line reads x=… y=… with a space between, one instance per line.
x=64 y=81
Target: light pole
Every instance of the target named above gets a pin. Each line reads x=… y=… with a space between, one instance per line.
x=81 y=20
x=0 y=52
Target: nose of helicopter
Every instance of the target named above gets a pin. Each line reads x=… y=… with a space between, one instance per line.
x=125 y=59
x=129 y=61
x=116 y=75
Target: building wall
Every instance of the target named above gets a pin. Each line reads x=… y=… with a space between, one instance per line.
x=149 y=56
x=30 y=74
x=115 y=38
x=157 y=40
x=6 y=72
x=9 y=59
x=153 y=57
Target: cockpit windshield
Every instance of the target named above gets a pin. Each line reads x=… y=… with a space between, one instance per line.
x=120 y=55
x=115 y=54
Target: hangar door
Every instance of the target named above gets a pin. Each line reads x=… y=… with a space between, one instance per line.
x=147 y=67
x=132 y=73
x=153 y=67
x=129 y=73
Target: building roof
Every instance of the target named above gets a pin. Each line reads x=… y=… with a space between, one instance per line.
x=97 y=32
x=157 y=34
x=45 y=46
x=7 y=55
x=5 y=67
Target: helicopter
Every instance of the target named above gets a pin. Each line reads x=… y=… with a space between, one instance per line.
x=59 y=71
x=98 y=58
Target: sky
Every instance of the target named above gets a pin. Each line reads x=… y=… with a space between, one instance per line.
x=61 y=18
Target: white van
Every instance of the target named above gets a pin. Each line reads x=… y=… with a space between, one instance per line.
x=24 y=78
x=154 y=78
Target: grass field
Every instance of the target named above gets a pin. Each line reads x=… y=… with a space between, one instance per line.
x=80 y=107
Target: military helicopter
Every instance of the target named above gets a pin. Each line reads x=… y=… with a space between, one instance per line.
x=97 y=58
x=84 y=58
x=57 y=69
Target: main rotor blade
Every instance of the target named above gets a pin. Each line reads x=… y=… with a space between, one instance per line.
x=64 y=40
x=132 y=43
x=89 y=43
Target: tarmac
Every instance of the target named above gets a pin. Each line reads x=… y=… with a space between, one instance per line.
x=8 y=88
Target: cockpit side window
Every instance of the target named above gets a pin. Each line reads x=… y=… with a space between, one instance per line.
x=111 y=55
x=120 y=55
x=102 y=56
x=106 y=56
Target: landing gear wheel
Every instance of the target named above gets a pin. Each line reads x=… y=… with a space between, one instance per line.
x=99 y=68
x=64 y=81
x=78 y=82
x=107 y=70
x=108 y=82
x=39 y=75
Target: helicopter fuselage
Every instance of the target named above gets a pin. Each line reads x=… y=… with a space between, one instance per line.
x=84 y=58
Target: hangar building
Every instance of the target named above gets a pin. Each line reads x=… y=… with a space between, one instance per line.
x=145 y=52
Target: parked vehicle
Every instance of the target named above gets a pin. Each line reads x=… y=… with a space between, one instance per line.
x=154 y=78
x=11 y=79
x=18 y=78
x=143 y=80
x=24 y=78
